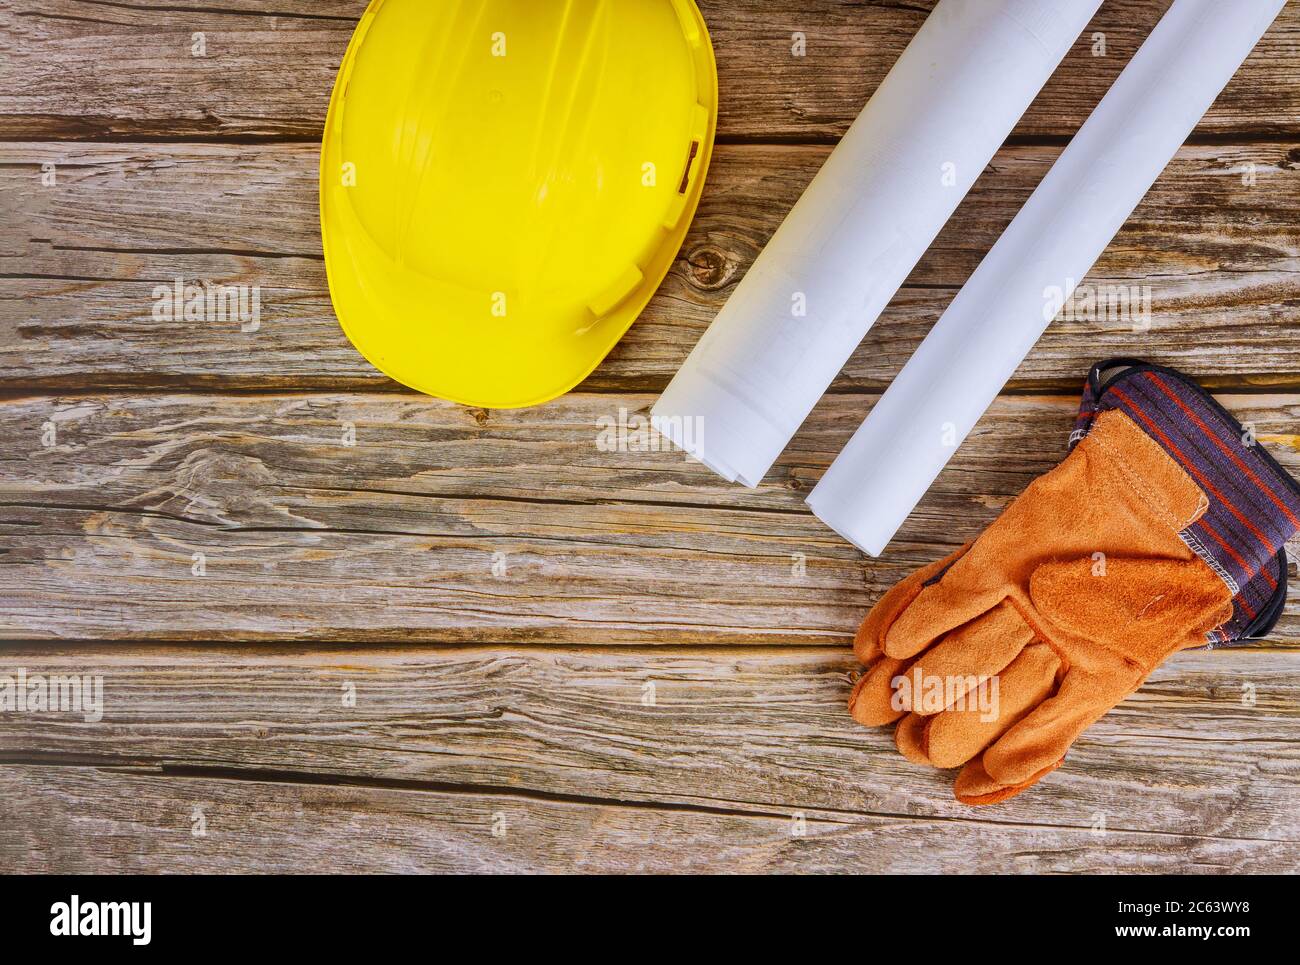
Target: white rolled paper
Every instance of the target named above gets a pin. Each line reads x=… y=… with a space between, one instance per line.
x=892 y=182
x=999 y=314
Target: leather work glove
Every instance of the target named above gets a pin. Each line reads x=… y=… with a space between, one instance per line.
x=1163 y=529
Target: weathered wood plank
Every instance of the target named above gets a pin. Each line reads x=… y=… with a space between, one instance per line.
x=446 y=524
x=395 y=538
x=562 y=746
x=84 y=820
x=81 y=68
x=1215 y=244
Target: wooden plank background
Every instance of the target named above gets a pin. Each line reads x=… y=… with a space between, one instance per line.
x=742 y=763
x=1214 y=242
x=561 y=657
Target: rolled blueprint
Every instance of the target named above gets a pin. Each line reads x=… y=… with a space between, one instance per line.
x=999 y=314
x=848 y=244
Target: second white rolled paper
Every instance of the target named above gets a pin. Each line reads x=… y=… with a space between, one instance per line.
x=1051 y=244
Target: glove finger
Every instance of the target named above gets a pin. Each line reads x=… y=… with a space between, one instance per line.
x=937 y=610
x=974 y=786
x=942 y=675
x=872 y=700
x=909 y=738
x=984 y=647
x=1042 y=738
x=955 y=736
x=866 y=643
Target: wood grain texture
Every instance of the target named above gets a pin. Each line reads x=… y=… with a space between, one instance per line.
x=1199 y=771
x=1215 y=243
x=442 y=523
x=92 y=69
x=86 y=820
x=464 y=572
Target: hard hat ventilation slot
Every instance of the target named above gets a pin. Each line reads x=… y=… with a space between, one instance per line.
x=690 y=159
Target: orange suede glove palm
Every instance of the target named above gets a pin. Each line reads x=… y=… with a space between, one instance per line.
x=999 y=656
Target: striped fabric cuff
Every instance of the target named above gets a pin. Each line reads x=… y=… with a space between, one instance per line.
x=1254 y=504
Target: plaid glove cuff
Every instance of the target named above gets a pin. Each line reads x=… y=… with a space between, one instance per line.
x=1254 y=504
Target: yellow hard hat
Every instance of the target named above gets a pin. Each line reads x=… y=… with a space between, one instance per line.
x=504 y=184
